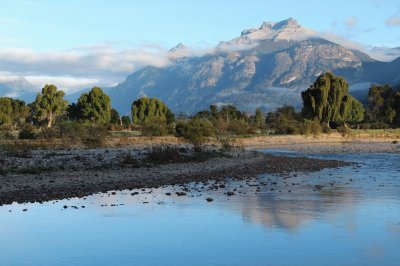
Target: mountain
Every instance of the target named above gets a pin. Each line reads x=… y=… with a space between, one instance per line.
x=264 y=67
x=17 y=87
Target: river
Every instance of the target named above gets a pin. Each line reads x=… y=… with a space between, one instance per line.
x=346 y=216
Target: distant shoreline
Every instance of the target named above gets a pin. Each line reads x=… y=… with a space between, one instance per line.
x=250 y=141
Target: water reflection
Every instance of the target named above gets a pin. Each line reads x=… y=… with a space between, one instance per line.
x=339 y=216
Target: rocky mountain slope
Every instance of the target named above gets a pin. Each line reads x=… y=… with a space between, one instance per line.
x=266 y=67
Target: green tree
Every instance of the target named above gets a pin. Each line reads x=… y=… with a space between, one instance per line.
x=115 y=119
x=353 y=110
x=145 y=109
x=259 y=118
x=126 y=121
x=72 y=111
x=12 y=111
x=396 y=107
x=380 y=104
x=49 y=104
x=95 y=107
x=285 y=120
x=328 y=100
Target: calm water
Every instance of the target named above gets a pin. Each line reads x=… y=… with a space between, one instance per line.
x=348 y=216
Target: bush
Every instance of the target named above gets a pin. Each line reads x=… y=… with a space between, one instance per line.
x=375 y=125
x=311 y=127
x=197 y=130
x=49 y=133
x=156 y=126
x=27 y=132
x=342 y=129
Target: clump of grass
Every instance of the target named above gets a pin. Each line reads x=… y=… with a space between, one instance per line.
x=163 y=155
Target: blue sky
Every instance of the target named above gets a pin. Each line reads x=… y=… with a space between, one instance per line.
x=55 y=25
x=53 y=31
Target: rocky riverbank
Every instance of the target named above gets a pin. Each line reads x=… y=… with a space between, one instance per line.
x=42 y=175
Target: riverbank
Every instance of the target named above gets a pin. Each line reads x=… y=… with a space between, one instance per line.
x=78 y=173
x=246 y=141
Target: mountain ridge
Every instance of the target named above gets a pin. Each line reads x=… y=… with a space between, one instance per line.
x=267 y=66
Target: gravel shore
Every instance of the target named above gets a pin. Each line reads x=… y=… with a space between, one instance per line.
x=38 y=176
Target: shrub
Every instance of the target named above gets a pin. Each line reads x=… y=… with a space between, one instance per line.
x=311 y=127
x=197 y=130
x=27 y=132
x=156 y=126
x=342 y=129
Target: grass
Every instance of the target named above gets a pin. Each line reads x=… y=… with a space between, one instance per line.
x=125 y=133
x=376 y=132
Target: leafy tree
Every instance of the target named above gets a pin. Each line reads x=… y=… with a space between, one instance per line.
x=49 y=104
x=353 y=110
x=95 y=107
x=115 y=119
x=328 y=100
x=12 y=111
x=396 y=107
x=226 y=120
x=285 y=120
x=380 y=104
x=259 y=118
x=72 y=111
x=145 y=108
x=126 y=121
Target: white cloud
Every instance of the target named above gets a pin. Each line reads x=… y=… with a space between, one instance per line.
x=333 y=37
x=393 y=21
x=67 y=84
x=351 y=22
x=101 y=65
x=377 y=53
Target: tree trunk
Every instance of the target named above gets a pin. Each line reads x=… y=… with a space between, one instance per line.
x=50 y=122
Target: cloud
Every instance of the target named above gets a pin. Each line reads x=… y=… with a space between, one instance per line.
x=351 y=22
x=393 y=21
x=333 y=37
x=71 y=83
x=101 y=65
x=384 y=53
x=377 y=53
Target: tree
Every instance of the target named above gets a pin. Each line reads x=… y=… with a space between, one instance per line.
x=95 y=107
x=49 y=104
x=72 y=111
x=115 y=119
x=328 y=100
x=146 y=109
x=285 y=120
x=126 y=121
x=380 y=104
x=353 y=110
x=259 y=118
x=12 y=111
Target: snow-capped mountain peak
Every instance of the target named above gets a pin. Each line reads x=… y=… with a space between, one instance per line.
x=179 y=51
x=288 y=29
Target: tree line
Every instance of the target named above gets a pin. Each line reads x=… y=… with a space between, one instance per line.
x=327 y=105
